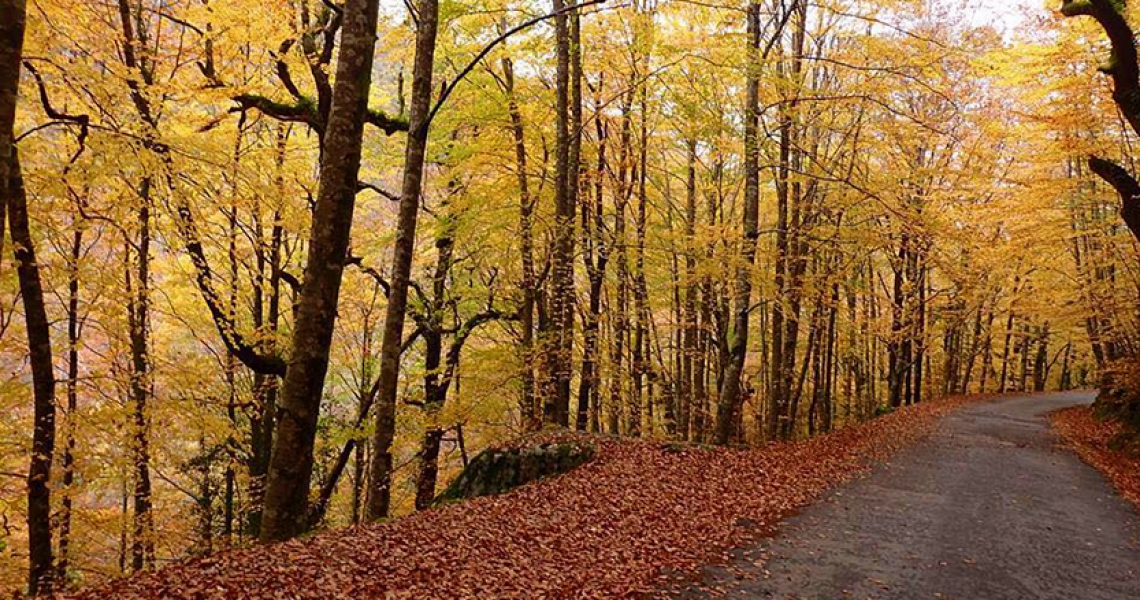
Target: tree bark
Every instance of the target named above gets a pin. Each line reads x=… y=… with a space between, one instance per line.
x=528 y=408
x=379 y=494
x=290 y=468
x=691 y=376
x=561 y=344
x=731 y=396
x=138 y=313
x=40 y=565
x=596 y=257
x=14 y=199
x=1124 y=68
x=67 y=459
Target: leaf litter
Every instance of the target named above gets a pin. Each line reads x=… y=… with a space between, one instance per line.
x=1098 y=442
x=642 y=516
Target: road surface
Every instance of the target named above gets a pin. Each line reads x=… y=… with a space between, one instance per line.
x=987 y=508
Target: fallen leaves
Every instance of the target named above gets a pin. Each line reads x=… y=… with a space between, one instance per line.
x=1093 y=440
x=637 y=518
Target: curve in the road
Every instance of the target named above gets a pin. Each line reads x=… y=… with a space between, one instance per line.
x=987 y=508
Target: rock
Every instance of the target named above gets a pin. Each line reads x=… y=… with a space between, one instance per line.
x=498 y=470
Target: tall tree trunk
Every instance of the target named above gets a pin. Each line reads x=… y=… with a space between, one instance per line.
x=528 y=408
x=692 y=365
x=265 y=320
x=619 y=321
x=230 y=475
x=640 y=341
x=67 y=460
x=138 y=309
x=731 y=396
x=561 y=344
x=435 y=383
x=14 y=199
x=596 y=257
x=291 y=464
x=379 y=495
x=40 y=566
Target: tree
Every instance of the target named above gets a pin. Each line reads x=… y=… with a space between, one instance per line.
x=14 y=204
x=290 y=468
x=730 y=402
x=404 y=246
x=1124 y=68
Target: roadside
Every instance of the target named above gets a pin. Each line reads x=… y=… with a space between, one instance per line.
x=1095 y=441
x=639 y=515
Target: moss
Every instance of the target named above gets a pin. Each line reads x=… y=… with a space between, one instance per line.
x=386 y=123
x=1072 y=8
x=307 y=104
x=1108 y=66
x=495 y=471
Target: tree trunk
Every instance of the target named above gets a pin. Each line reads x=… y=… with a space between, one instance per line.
x=528 y=408
x=692 y=367
x=560 y=346
x=41 y=568
x=404 y=247
x=265 y=321
x=596 y=257
x=291 y=464
x=67 y=460
x=729 y=404
x=14 y=199
x=138 y=310
x=435 y=384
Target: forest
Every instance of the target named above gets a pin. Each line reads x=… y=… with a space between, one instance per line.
x=281 y=267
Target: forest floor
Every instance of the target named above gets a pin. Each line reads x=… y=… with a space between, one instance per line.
x=990 y=506
x=641 y=517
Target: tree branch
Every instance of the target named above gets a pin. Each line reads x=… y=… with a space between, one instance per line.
x=304 y=110
x=450 y=86
x=235 y=343
x=363 y=185
x=1125 y=185
x=1122 y=64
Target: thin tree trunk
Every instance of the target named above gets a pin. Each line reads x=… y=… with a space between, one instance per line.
x=729 y=404
x=230 y=475
x=527 y=405
x=692 y=365
x=435 y=386
x=265 y=386
x=67 y=460
x=1006 y=351
x=596 y=257
x=138 y=309
x=379 y=495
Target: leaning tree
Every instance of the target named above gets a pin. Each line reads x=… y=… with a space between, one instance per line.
x=1122 y=66
x=1124 y=69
